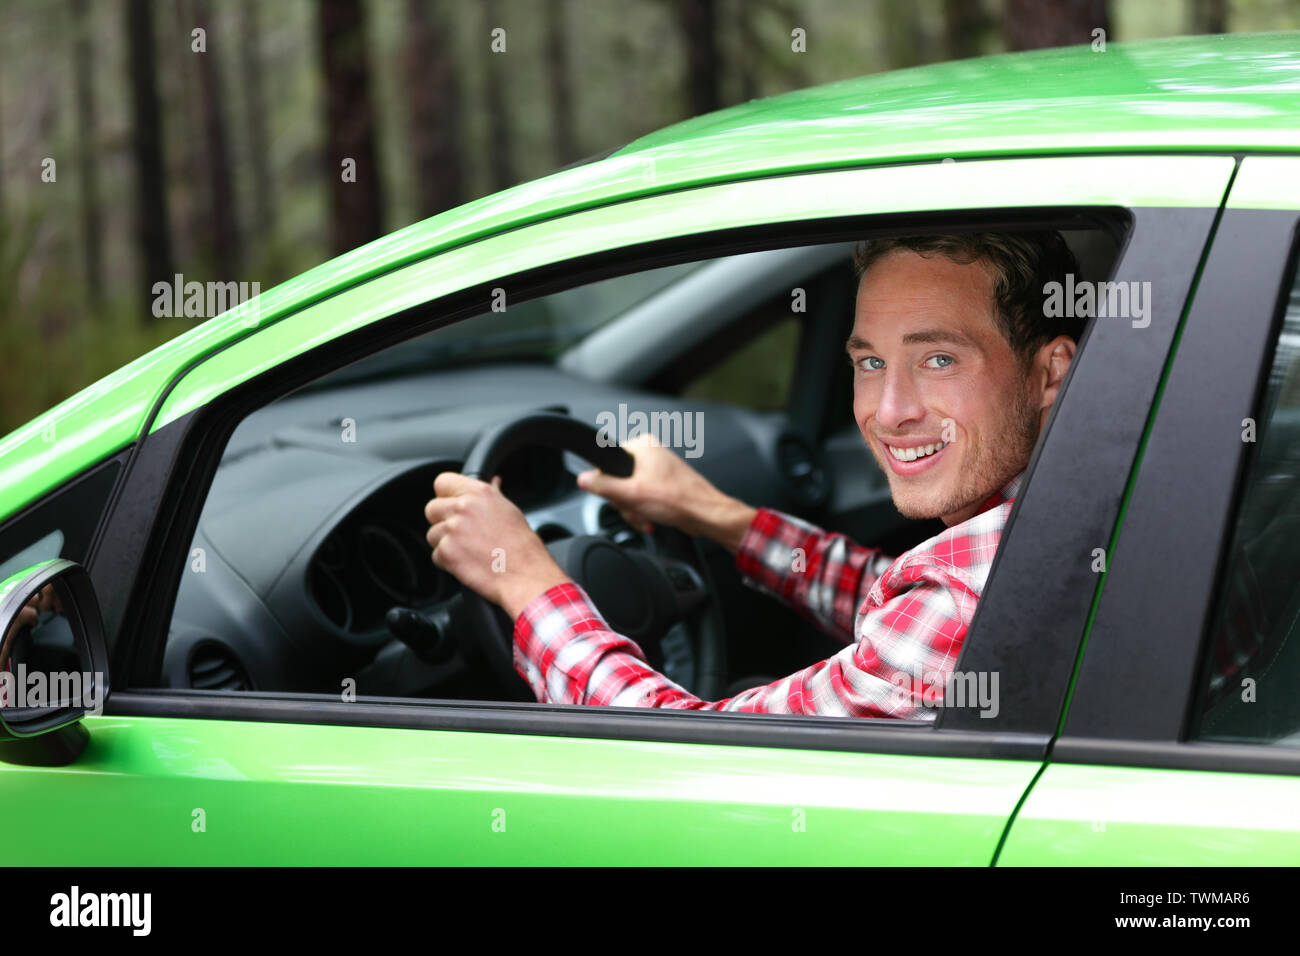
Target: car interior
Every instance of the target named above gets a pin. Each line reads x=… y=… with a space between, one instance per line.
x=309 y=565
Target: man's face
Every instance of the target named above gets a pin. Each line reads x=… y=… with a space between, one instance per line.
x=933 y=372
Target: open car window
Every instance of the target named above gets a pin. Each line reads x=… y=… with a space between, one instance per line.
x=312 y=533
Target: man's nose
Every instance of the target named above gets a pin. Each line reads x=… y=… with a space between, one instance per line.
x=900 y=402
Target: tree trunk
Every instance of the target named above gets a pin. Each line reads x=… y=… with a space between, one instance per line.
x=1209 y=16
x=748 y=50
x=564 y=139
x=83 y=67
x=500 y=147
x=356 y=207
x=221 y=192
x=433 y=102
x=193 y=247
x=699 y=23
x=964 y=24
x=909 y=44
x=1032 y=24
x=259 y=143
x=151 y=199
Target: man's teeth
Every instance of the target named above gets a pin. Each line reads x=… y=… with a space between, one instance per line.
x=911 y=454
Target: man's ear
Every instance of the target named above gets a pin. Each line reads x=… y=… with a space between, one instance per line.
x=1050 y=365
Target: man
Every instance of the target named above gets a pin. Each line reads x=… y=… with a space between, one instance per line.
x=955 y=368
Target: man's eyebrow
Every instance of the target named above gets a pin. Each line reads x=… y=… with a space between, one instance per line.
x=933 y=336
x=924 y=337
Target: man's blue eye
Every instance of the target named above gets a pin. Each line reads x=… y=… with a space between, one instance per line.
x=874 y=362
x=943 y=360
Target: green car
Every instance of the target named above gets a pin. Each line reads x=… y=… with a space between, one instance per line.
x=228 y=532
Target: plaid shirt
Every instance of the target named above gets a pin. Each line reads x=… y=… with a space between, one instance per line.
x=903 y=621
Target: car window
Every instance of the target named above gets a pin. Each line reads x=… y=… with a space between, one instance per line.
x=312 y=530
x=536 y=328
x=756 y=375
x=310 y=548
x=1248 y=689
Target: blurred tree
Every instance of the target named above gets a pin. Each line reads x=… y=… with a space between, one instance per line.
x=2 y=157
x=352 y=166
x=189 y=191
x=564 y=139
x=146 y=121
x=83 y=68
x=748 y=52
x=223 y=230
x=909 y=43
x=965 y=23
x=1209 y=16
x=500 y=145
x=259 y=143
x=699 y=24
x=433 y=107
x=1031 y=24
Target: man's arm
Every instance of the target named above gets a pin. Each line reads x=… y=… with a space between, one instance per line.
x=823 y=576
x=908 y=645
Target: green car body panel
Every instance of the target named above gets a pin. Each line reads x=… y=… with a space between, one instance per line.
x=165 y=791
x=168 y=790
x=1084 y=815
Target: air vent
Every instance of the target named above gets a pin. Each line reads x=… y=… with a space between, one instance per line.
x=214 y=666
x=799 y=467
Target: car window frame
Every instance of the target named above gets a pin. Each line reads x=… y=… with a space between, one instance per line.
x=177 y=462
x=1164 y=578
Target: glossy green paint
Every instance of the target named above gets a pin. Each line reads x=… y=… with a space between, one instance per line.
x=269 y=793
x=1266 y=182
x=1010 y=183
x=18 y=577
x=1080 y=815
x=1192 y=93
x=1199 y=94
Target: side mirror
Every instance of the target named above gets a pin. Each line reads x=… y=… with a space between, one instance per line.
x=53 y=662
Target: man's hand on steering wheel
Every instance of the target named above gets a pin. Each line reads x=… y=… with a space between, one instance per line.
x=483 y=539
x=664 y=489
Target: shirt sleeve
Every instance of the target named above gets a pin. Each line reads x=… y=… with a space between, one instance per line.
x=823 y=576
x=898 y=668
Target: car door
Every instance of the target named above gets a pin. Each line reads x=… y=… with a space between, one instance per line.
x=196 y=777
x=1179 y=745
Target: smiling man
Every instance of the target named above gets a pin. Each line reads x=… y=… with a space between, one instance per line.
x=955 y=368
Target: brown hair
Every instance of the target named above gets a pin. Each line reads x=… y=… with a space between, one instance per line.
x=1022 y=263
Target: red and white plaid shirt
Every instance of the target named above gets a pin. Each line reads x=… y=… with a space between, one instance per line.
x=903 y=621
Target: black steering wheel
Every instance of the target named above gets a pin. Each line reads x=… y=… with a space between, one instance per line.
x=641 y=592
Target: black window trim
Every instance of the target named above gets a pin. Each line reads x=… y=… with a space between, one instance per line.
x=115 y=462
x=152 y=528
x=1165 y=575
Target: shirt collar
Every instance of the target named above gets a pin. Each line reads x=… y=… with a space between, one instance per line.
x=1004 y=494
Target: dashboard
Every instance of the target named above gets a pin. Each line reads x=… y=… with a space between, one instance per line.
x=313 y=528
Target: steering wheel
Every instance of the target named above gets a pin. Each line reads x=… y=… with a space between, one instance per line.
x=641 y=593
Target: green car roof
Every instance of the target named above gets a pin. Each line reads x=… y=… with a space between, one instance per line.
x=1228 y=93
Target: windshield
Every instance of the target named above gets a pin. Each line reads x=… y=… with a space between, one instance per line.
x=536 y=329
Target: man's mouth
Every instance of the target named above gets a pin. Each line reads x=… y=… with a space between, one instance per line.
x=916 y=451
x=914 y=457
